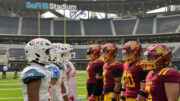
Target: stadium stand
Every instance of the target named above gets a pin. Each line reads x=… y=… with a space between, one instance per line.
x=80 y=53
x=90 y=27
x=124 y=27
x=9 y=25
x=168 y=24
x=30 y=26
x=97 y=27
x=16 y=54
x=58 y=27
x=176 y=55
x=73 y=28
x=145 y=25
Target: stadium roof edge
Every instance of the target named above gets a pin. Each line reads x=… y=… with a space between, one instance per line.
x=90 y=36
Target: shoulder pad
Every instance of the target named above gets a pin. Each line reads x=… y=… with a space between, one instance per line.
x=114 y=63
x=117 y=65
x=55 y=72
x=95 y=61
x=98 y=62
x=164 y=71
x=169 y=75
x=31 y=73
x=61 y=67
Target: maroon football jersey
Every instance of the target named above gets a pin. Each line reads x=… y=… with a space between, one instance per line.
x=91 y=70
x=132 y=79
x=155 y=84
x=108 y=78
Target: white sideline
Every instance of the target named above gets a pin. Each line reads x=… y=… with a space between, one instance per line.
x=9 y=81
x=11 y=84
x=11 y=98
x=11 y=89
x=19 y=83
x=23 y=97
x=20 y=88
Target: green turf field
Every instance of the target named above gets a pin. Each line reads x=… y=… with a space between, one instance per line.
x=10 y=88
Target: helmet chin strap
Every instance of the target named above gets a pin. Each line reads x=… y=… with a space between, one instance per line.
x=42 y=64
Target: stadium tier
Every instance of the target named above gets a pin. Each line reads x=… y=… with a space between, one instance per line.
x=15 y=53
x=91 y=27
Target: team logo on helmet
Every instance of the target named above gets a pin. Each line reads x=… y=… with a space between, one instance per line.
x=93 y=52
x=156 y=56
x=38 y=50
x=131 y=51
x=109 y=52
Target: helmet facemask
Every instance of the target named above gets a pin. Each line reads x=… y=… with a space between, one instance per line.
x=69 y=54
x=106 y=56
x=93 y=52
x=151 y=62
x=91 y=55
x=57 y=54
x=130 y=57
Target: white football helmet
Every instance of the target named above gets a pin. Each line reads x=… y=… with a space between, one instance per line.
x=38 y=50
x=69 y=53
x=57 y=53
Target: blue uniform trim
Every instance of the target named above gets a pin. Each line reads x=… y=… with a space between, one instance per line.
x=31 y=73
x=55 y=72
x=61 y=67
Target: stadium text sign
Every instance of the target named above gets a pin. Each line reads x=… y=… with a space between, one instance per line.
x=46 y=6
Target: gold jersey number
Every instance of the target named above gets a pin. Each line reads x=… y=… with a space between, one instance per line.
x=129 y=80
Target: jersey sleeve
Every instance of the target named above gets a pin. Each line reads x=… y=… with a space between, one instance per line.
x=99 y=68
x=55 y=72
x=169 y=75
x=31 y=75
x=118 y=70
x=142 y=73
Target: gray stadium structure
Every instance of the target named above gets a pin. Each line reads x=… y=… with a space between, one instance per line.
x=149 y=29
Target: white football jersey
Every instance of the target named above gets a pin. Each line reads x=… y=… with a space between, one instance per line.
x=71 y=83
x=36 y=70
x=64 y=78
x=55 y=90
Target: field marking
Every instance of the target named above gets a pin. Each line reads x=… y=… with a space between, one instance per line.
x=81 y=95
x=81 y=87
x=11 y=89
x=19 y=83
x=9 y=81
x=20 y=88
x=81 y=77
x=12 y=98
x=11 y=84
x=81 y=82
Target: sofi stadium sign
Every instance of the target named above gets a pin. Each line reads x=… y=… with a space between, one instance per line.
x=46 y=6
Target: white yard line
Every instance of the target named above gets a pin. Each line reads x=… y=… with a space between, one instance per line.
x=9 y=81
x=11 y=89
x=81 y=87
x=81 y=77
x=12 y=98
x=11 y=84
x=81 y=82
x=81 y=95
x=20 y=88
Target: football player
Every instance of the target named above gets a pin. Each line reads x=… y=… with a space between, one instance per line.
x=71 y=81
x=133 y=87
x=112 y=72
x=162 y=82
x=56 y=78
x=64 y=72
x=94 y=73
x=34 y=79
